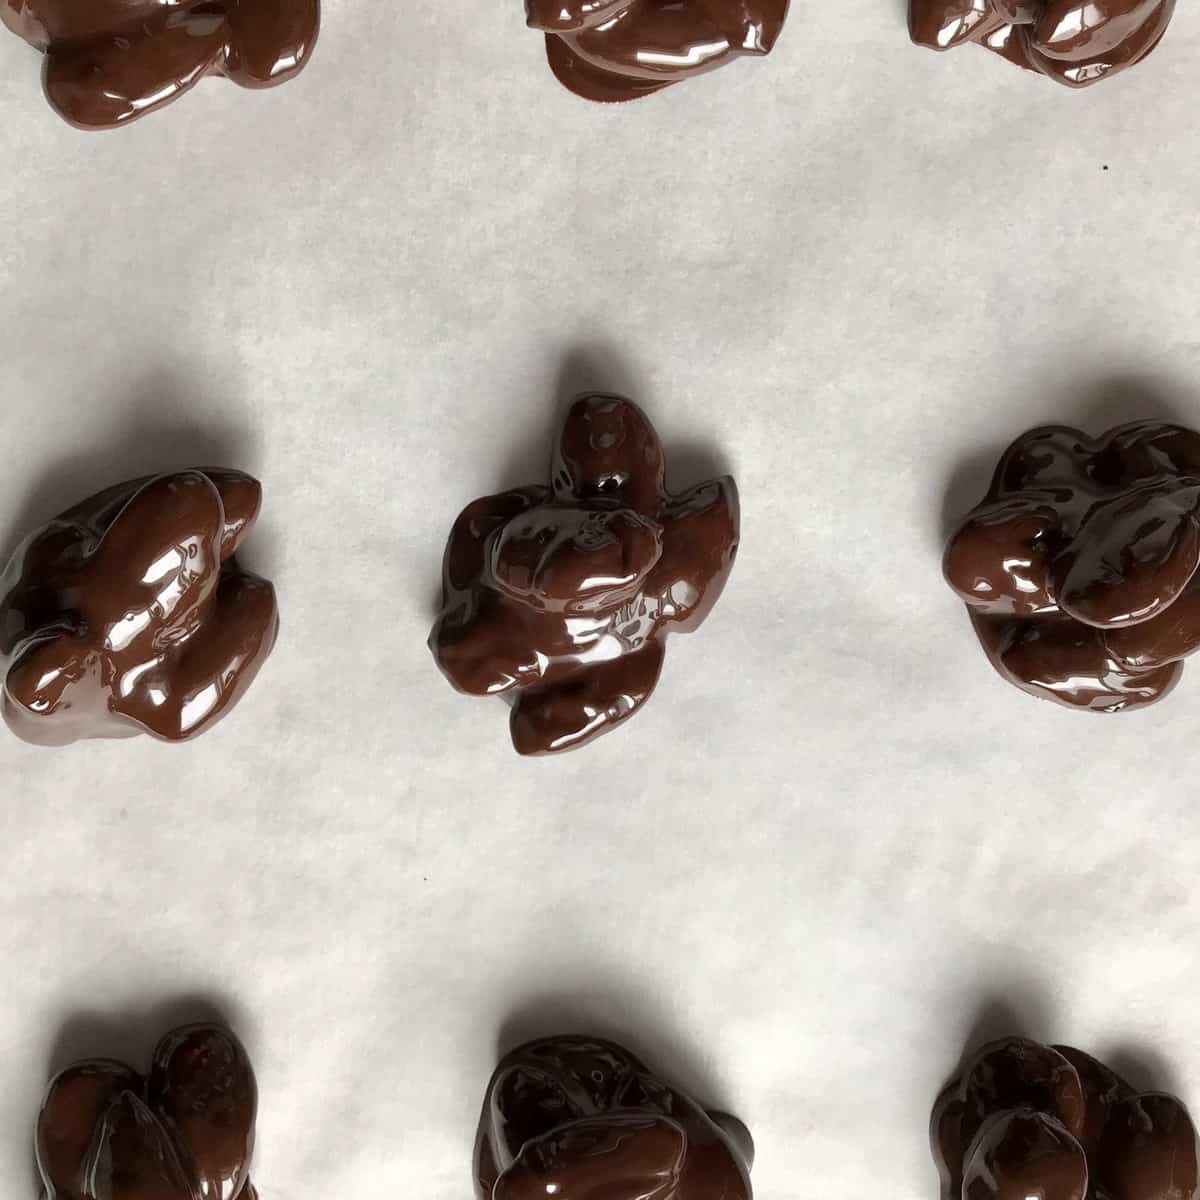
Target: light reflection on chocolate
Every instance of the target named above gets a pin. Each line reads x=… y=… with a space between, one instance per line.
x=1028 y=1120
x=1079 y=566
x=620 y=49
x=108 y=62
x=185 y=1131
x=1074 y=42
x=129 y=613
x=561 y=598
x=580 y=1118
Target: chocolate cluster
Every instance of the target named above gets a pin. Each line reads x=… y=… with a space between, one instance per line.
x=130 y=614
x=108 y=62
x=1026 y=1120
x=620 y=49
x=185 y=1131
x=1075 y=42
x=1079 y=565
x=579 y=1118
x=561 y=598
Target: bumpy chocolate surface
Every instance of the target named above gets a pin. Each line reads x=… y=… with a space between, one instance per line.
x=185 y=1131
x=110 y=61
x=1075 y=42
x=561 y=597
x=1079 y=565
x=621 y=49
x=579 y=1118
x=129 y=613
x=1026 y=1120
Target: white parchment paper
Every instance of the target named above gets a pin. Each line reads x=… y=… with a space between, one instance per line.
x=835 y=847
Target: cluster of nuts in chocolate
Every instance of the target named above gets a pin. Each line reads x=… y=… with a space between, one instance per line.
x=185 y=1131
x=1027 y=1120
x=108 y=62
x=1079 y=566
x=580 y=1118
x=561 y=598
x=612 y=50
x=130 y=614
x=1074 y=42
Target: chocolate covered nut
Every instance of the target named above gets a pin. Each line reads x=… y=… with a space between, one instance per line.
x=130 y=614
x=108 y=62
x=580 y=1118
x=184 y=1132
x=1148 y=1149
x=1075 y=42
x=1025 y=1120
x=1079 y=565
x=620 y=49
x=561 y=598
x=1020 y=1153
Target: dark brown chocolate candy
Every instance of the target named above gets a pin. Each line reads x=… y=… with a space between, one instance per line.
x=1079 y=565
x=129 y=613
x=1075 y=42
x=183 y=1132
x=109 y=62
x=579 y=1118
x=620 y=49
x=561 y=597
x=1026 y=1120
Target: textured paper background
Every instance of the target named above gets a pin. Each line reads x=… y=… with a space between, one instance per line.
x=835 y=846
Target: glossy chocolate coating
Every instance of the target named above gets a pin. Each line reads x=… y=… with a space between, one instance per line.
x=129 y=613
x=1079 y=565
x=579 y=1118
x=183 y=1132
x=1075 y=42
x=1026 y=1120
x=108 y=62
x=562 y=597
x=620 y=49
